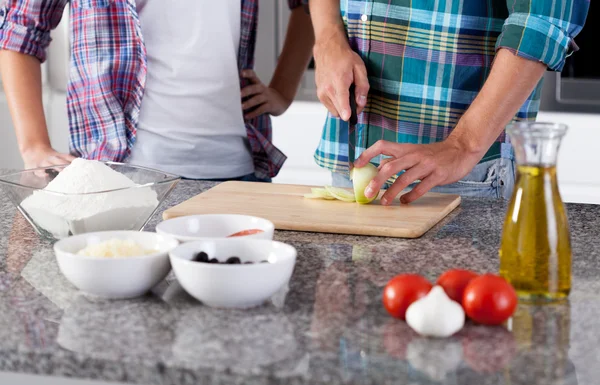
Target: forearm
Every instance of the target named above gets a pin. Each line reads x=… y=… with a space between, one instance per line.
x=22 y=79
x=295 y=55
x=511 y=80
x=327 y=22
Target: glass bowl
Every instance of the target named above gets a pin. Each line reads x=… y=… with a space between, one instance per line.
x=56 y=215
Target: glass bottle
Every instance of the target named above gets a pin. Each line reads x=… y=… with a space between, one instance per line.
x=535 y=252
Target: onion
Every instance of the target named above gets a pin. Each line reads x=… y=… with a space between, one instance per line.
x=340 y=194
x=361 y=177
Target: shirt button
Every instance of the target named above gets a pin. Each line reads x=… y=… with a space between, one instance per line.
x=364 y=17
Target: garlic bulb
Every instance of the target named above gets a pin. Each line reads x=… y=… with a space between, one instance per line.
x=435 y=315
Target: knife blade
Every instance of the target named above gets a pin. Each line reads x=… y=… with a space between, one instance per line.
x=352 y=128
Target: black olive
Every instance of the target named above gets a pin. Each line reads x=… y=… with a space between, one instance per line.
x=248 y=263
x=264 y=261
x=233 y=261
x=214 y=260
x=200 y=257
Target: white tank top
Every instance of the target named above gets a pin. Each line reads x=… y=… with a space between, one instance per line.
x=191 y=121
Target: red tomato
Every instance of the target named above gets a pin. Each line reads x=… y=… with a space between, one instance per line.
x=454 y=283
x=402 y=290
x=246 y=232
x=489 y=300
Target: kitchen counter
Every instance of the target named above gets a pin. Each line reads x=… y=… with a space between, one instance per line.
x=328 y=326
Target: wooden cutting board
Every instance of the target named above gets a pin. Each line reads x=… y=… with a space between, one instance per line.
x=286 y=207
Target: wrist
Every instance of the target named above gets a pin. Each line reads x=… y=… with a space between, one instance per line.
x=466 y=140
x=281 y=88
x=329 y=38
x=35 y=147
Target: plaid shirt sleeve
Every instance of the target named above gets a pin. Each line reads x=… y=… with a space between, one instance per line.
x=543 y=30
x=25 y=25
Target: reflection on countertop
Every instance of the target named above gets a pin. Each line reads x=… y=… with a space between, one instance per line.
x=327 y=326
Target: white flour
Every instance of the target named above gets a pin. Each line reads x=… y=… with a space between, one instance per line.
x=116 y=210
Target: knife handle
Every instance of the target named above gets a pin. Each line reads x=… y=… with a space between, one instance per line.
x=353 y=116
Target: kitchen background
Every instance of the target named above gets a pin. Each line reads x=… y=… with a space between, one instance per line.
x=572 y=97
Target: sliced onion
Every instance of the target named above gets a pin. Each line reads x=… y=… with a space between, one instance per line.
x=341 y=194
x=321 y=192
x=314 y=196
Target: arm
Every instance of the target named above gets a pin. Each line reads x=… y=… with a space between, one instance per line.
x=511 y=80
x=337 y=66
x=24 y=38
x=22 y=79
x=536 y=36
x=295 y=56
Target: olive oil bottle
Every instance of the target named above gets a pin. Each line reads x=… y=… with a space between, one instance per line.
x=535 y=252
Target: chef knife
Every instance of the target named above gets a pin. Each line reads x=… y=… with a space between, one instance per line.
x=352 y=128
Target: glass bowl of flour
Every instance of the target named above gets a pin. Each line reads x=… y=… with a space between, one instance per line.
x=88 y=196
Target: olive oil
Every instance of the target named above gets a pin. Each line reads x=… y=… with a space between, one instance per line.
x=535 y=253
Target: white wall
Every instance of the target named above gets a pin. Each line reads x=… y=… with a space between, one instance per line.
x=579 y=156
x=297 y=134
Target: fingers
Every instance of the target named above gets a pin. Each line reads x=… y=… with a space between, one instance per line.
x=41 y=173
x=328 y=104
x=263 y=109
x=45 y=163
x=403 y=181
x=334 y=93
x=254 y=101
x=46 y=158
x=52 y=160
x=253 y=89
x=251 y=75
x=64 y=158
x=381 y=147
x=341 y=100
x=57 y=160
x=419 y=190
x=68 y=157
x=384 y=161
x=361 y=83
x=387 y=171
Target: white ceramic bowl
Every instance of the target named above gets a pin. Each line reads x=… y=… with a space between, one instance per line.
x=234 y=286
x=212 y=226
x=115 y=278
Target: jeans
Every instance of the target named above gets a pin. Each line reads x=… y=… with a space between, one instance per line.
x=491 y=179
x=245 y=178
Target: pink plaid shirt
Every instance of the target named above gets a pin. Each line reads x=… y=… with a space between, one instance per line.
x=108 y=72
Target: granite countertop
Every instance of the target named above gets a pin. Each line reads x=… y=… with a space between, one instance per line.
x=328 y=326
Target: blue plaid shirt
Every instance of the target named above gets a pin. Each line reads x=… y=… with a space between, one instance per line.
x=426 y=62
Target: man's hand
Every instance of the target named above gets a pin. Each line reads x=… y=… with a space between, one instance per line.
x=45 y=157
x=265 y=100
x=433 y=164
x=337 y=67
